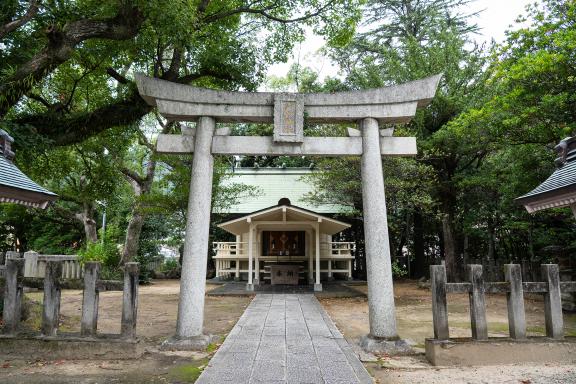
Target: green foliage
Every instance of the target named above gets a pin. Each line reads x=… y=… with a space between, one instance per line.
x=398 y=270
x=170 y=265
x=107 y=253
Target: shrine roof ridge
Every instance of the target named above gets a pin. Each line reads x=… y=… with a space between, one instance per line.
x=421 y=91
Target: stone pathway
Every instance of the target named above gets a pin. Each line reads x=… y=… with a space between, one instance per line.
x=285 y=338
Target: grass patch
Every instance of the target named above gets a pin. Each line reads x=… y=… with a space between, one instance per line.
x=498 y=327
x=34 y=314
x=536 y=329
x=211 y=347
x=188 y=373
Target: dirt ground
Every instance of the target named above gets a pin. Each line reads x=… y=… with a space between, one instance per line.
x=157 y=309
x=414 y=317
x=157 y=320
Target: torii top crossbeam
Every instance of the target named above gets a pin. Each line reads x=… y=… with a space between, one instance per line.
x=395 y=104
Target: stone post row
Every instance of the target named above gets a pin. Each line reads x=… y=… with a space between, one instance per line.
x=13 y=293
x=553 y=302
x=89 y=322
x=477 y=303
x=515 y=301
x=439 y=304
x=130 y=300
x=52 y=293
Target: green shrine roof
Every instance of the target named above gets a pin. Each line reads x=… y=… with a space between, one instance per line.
x=273 y=185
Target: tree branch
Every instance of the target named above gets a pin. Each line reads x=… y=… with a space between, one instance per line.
x=15 y=24
x=66 y=129
x=264 y=12
x=116 y=76
x=61 y=45
x=132 y=175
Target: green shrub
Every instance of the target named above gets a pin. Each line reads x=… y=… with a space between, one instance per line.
x=397 y=270
x=107 y=253
x=169 y=265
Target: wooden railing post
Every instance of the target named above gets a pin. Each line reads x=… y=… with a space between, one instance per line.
x=515 y=301
x=477 y=303
x=89 y=322
x=130 y=300
x=13 y=293
x=439 y=303
x=553 y=302
x=51 y=306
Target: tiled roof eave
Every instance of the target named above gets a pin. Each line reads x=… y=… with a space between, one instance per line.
x=563 y=197
x=9 y=194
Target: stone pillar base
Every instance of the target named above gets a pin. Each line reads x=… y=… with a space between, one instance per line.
x=195 y=343
x=250 y=287
x=318 y=287
x=256 y=282
x=331 y=278
x=236 y=279
x=391 y=347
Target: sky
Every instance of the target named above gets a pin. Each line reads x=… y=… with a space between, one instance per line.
x=494 y=20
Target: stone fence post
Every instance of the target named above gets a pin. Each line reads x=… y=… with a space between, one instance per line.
x=52 y=292
x=553 y=302
x=439 y=304
x=130 y=300
x=477 y=303
x=31 y=264
x=89 y=322
x=12 y=255
x=515 y=301
x=13 y=294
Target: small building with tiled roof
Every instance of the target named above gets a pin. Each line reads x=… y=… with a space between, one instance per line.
x=558 y=190
x=15 y=186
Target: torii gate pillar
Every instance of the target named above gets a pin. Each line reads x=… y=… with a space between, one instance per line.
x=378 y=264
x=195 y=257
x=387 y=105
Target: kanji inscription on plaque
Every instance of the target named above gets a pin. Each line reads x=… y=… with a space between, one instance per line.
x=288 y=118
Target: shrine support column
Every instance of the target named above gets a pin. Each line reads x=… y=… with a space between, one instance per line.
x=250 y=284
x=317 y=284
x=194 y=260
x=381 y=310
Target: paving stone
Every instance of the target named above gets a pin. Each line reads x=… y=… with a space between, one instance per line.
x=303 y=375
x=285 y=339
x=301 y=360
x=269 y=370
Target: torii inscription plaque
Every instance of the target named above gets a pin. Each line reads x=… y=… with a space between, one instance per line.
x=396 y=104
x=288 y=118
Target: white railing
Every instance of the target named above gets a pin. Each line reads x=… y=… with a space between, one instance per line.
x=234 y=250
x=230 y=249
x=35 y=265
x=338 y=248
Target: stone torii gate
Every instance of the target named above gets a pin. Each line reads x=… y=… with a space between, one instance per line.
x=287 y=111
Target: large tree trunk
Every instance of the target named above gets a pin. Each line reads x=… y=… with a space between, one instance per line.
x=133 y=235
x=419 y=261
x=449 y=246
x=87 y=219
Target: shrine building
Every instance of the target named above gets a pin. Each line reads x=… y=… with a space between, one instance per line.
x=279 y=237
